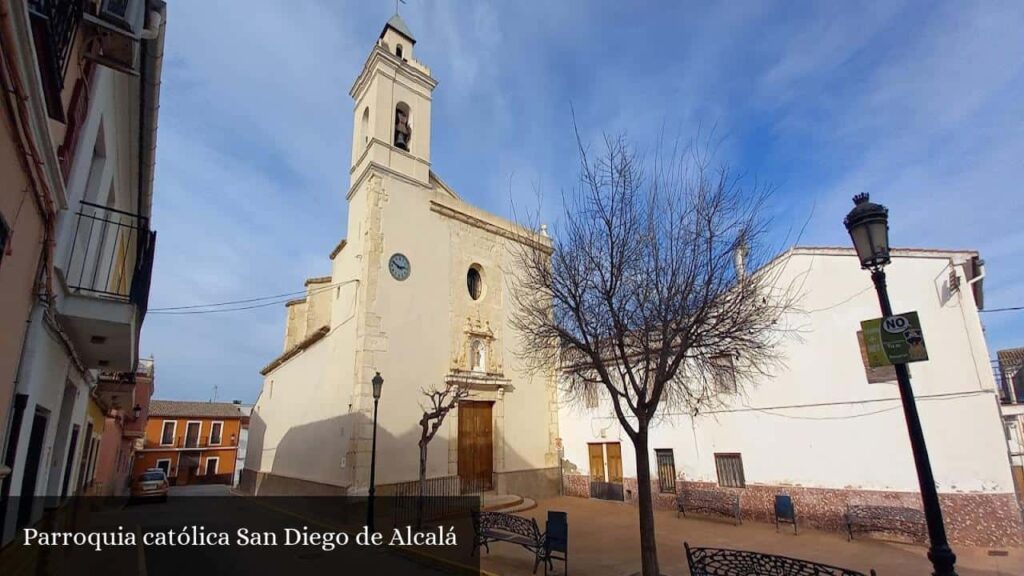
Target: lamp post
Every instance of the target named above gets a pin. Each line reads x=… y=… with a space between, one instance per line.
x=868 y=225
x=378 y=383
x=137 y=411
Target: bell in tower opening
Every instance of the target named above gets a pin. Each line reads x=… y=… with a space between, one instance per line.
x=403 y=132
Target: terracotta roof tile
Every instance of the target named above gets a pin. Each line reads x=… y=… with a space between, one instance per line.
x=1011 y=357
x=193 y=409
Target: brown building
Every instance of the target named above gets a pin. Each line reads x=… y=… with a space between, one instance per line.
x=194 y=442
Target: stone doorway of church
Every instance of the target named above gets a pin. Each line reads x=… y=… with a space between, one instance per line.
x=476 y=446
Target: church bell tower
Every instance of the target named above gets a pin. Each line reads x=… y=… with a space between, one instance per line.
x=391 y=122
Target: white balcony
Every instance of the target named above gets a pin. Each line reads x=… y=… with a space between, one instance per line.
x=106 y=277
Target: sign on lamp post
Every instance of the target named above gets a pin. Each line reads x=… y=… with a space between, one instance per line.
x=896 y=339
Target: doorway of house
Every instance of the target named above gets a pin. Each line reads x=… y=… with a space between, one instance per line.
x=188 y=466
x=476 y=446
x=32 y=461
x=61 y=445
x=211 y=466
x=71 y=460
x=606 y=470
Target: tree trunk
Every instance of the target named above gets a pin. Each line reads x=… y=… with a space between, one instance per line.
x=648 y=545
x=423 y=484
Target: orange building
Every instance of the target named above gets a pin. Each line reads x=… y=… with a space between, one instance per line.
x=194 y=442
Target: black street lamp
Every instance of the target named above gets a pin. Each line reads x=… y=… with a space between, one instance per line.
x=378 y=383
x=868 y=225
x=137 y=411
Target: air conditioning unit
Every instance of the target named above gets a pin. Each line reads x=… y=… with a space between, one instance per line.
x=118 y=25
x=125 y=14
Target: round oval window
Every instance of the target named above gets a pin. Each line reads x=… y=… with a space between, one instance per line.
x=474 y=282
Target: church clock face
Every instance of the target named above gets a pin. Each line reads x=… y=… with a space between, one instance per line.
x=399 y=267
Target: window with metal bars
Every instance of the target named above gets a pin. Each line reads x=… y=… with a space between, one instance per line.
x=730 y=470
x=666 y=470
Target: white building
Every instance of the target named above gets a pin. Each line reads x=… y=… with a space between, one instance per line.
x=418 y=291
x=243 y=440
x=92 y=99
x=825 y=428
x=1009 y=370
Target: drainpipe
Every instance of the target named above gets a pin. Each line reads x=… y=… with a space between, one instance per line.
x=151 y=49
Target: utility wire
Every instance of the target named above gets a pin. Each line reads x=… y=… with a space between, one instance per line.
x=228 y=303
x=1011 y=308
x=233 y=305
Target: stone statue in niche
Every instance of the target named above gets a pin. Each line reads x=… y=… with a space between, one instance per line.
x=403 y=132
x=477 y=355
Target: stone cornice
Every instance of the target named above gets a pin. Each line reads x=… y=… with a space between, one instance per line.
x=294 y=350
x=389 y=60
x=491 y=225
x=390 y=148
x=380 y=168
x=337 y=249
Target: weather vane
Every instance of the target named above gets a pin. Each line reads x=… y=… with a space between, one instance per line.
x=396 y=5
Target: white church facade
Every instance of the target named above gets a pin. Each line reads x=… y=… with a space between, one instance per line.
x=418 y=291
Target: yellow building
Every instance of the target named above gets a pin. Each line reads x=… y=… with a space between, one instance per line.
x=419 y=291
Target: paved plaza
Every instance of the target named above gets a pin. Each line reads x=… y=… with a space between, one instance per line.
x=604 y=540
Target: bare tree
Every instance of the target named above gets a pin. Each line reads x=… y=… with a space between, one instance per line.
x=646 y=298
x=439 y=403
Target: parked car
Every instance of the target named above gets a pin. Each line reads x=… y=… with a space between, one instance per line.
x=151 y=484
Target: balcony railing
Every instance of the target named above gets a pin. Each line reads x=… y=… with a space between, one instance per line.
x=194 y=442
x=111 y=255
x=54 y=23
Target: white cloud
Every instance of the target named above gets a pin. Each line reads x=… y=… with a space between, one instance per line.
x=918 y=105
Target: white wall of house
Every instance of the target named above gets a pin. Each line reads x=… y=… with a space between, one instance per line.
x=818 y=422
x=46 y=364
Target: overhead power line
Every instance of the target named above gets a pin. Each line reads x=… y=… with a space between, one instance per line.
x=244 y=304
x=1009 y=309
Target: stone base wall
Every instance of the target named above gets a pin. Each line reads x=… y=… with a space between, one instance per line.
x=265 y=484
x=577 y=485
x=537 y=483
x=989 y=520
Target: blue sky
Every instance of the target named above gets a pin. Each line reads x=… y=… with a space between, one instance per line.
x=917 y=103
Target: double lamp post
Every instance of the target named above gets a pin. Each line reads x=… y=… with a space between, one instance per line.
x=868 y=225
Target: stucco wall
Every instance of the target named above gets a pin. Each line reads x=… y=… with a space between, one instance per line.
x=18 y=268
x=817 y=422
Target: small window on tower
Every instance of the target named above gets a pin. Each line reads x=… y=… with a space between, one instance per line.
x=398 y=50
x=364 y=126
